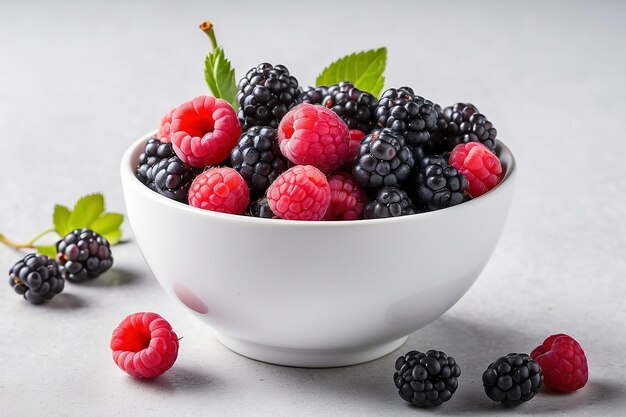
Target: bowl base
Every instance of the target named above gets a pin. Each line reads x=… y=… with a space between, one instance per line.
x=309 y=358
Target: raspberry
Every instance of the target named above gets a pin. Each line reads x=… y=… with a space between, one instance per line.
x=37 y=278
x=83 y=254
x=563 y=362
x=356 y=136
x=300 y=193
x=347 y=198
x=462 y=123
x=220 y=189
x=164 y=133
x=144 y=345
x=479 y=165
x=314 y=135
x=512 y=379
x=390 y=201
x=204 y=130
x=154 y=152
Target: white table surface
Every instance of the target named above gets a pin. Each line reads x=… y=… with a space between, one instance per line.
x=79 y=81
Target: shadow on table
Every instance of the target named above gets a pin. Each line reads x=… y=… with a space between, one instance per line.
x=114 y=277
x=65 y=301
x=183 y=379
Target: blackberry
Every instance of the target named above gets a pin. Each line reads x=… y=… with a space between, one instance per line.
x=512 y=379
x=437 y=184
x=265 y=95
x=83 y=254
x=154 y=152
x=257 y=158
x=261 y=208
x=312 y=95
x=390 y=201
x=355 y=107
x=172 y=178
x=412 y=116
x=37 y=278
x=463 y=123
x=382 y=159
x=426 y=379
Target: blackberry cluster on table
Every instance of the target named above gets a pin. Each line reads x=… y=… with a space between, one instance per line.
x=512 y=379
x=83 y=254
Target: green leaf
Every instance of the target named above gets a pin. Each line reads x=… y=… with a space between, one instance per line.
x=220 y=76
x=60 y=219
x=49 y=250
x=86 y=211
x=107 y=223
x=113 y=237
x=364 y=69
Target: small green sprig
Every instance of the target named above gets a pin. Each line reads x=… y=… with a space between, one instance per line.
x=364 y=69
x=218 y=71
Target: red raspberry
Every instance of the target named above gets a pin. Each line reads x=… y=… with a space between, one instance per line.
x=144 y=345
x=220 y=189
x=347 y=198
x=355 y=140
x=204 y=130
x=563 y=363
x=479 y=165
x=300 y=193
x=164 y=133
x=314 y=135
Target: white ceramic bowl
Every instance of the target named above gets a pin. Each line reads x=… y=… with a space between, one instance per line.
x=315 y=294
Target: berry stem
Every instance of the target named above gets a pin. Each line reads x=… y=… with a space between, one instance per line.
x=207 y=27
x=27 y=245
x=40 y=235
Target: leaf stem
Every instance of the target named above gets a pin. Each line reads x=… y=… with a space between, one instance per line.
x=207 y=27
x=40 y=235
x=15 y=245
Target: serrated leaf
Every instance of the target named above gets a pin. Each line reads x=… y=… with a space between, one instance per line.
x=113 y=237
x=364 y=69
x=60 y=219
x=49 y=250
x=220 y=76
x=107 y=223
x=86 y=211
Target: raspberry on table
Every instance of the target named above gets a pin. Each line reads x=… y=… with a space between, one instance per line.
x=220 y=189
x=347 y=198
x=83 y=254
x=426 y=379
x=164 y=132
x=438 y=185
x=391 y=201
x=512 y=379
x=154 y=152
x=314 y=135
x=261 y=208
x=300 y=193
x=563 y=363
x=204 y=130
x=479 y=165
x=463 y=123
x=144 y=345
x=37 y=278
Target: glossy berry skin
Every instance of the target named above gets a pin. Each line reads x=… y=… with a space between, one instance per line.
x=312 y=95
x=265 y=95
x=37 y=278
x=314 y=135
x=347 y=198
x=204 y=130
x=164 y=133
x=300 y=193
x=261 y=208
x=220 y=189
x=144 y=345
x=382 y=159
x=512 y=379
x=391 y=201
x=479 y=165
x=355 y=107
x=154 y=152
x=257 y=158
x=463 y=123
x=438 y=185
x=426 y=379
x=356 y=136
x=172 y=178
x=563 y=363
x=83 y=254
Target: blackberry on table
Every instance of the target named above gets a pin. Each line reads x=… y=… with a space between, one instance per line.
x=154 y=152
x=265 y=95
x=390 y=201
x=37 y=278
x=261 y=208
x=83 y=254
x=426 y=379
x=463 y=123
x=172 y=178
x=382 y=159
x=312 y=95
x=437 y=184
x=355 y=107
x=512 y=379
x=257 y=158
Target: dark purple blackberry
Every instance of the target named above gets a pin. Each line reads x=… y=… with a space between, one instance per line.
x=512 y=379
x=412 y=116
x=261 y=208
x=426 y=379
x=382 y=159
x=312 y=95
x=37 y=278
x=172 y=178
x=154 y=152
x=257 y=158
x=390 y=201
x=355 y=107
x=83 y=254
x=438 y=185
x=265 y=95
x=463 y=123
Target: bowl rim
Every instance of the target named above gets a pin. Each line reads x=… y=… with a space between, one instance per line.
x=128 y=177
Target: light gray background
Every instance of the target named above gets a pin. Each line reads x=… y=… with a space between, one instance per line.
x=79 y=81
